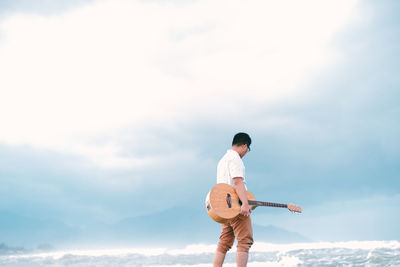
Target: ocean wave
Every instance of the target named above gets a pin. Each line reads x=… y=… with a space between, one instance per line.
x=366 y=245
x=352 y=253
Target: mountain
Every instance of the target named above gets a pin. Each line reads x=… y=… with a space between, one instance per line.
x=177 y=226
x=4 y=250
x=27 y=231
x=180 y=225
x=273 y=234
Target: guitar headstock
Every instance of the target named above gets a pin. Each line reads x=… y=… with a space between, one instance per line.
x=294 y=208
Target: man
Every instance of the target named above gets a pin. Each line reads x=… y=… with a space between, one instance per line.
x=231 y=171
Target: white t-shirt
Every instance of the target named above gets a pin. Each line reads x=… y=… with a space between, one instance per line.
x=230 y=166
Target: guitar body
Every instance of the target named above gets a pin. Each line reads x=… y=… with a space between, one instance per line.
x=223 y=204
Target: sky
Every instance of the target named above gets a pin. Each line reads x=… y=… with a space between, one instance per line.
x=109 y=105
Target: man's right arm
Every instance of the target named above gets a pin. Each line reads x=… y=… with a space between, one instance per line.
x=241 y=191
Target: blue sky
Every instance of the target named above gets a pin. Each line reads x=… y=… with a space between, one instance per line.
x=106 y=104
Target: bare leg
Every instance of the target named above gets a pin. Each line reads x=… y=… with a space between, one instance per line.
x=241 y=259
x=218 y=259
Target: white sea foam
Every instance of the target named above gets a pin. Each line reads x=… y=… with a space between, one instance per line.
x=270 y=247
x=204 y=248
x=285 y=262
x=97 y=253
x=366 y=245
x=360 y=253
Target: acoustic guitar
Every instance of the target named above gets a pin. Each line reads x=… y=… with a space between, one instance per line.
x=223 y=204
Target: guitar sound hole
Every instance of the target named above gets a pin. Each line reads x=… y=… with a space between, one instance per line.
x=228 y=200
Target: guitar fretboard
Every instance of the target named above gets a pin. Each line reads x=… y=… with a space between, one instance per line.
x=268 y=204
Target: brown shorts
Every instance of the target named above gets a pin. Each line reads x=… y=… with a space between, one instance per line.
x=239 y=228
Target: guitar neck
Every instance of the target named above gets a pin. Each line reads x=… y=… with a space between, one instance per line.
x=266 y=204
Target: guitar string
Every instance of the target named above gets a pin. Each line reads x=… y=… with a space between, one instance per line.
x=261 y=203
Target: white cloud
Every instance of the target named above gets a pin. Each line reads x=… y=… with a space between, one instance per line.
x=95 y=70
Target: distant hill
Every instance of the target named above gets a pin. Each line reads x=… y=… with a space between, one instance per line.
x=20 y=230
x=173 y=227
x=273 y=234
x=4 y=249
x=183 y=225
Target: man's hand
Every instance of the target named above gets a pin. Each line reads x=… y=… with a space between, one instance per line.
x=245 y=210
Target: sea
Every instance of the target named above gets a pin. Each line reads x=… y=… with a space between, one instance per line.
x=351 y=253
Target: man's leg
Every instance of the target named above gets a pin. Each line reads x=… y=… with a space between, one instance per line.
x=219 y=259
x=226 y=240
x=241 y=259
x=244 y=235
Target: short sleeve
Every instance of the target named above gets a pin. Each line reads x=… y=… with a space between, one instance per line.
x=236 y=168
